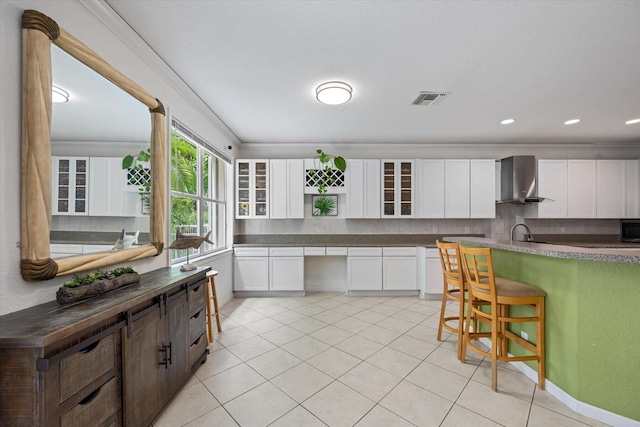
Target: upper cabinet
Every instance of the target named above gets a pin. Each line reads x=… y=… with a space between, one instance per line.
x=456 y=188
x=252 y=189
x=363 y=182
x=482 y=188
x=431 y=189
x=611 y=191
x=70 y=185
x=286 y=181
x=552 y=184
x=581 y=188
x=397 y=188
x=632 y=173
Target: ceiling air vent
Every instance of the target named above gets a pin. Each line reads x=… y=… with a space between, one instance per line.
x=429 y=99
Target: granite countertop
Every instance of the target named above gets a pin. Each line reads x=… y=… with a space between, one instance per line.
x=628 y=253
x=339 y=240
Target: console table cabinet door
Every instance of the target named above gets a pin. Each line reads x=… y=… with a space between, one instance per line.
x=178 y=341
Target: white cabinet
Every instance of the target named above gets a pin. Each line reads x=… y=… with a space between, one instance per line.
x=364 y=269
x=335 y=179
x=632 y=172
x=611 y=191
x=397 y=188
x=251 y=269
x=70 y=185
x=399 y=269
x=482 y=188
x=107 y=184
x=252 y=189
x=552 y=184
x=286 y=183
x=581 y=188
x=286 y=269
x=456 y=184
x=363 y=188
x=434 y=276
x=430 y=188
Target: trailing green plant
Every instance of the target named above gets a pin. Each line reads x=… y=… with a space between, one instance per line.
x=87 y=279
x=139 y=162
x=326 y=163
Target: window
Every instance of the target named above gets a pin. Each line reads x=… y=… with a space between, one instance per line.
x=198 y=191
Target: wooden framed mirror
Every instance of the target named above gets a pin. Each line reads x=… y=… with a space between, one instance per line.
x=39 y=32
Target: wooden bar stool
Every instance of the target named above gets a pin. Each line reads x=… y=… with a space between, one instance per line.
x=212 y=298
x=496 y=295
x=454 y=290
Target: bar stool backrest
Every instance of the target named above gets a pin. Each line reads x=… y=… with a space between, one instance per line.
x=450 y=261
x=478 y=270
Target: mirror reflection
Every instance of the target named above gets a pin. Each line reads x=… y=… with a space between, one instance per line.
x=93 y=198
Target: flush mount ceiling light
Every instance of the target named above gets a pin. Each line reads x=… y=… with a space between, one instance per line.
x=333 y=93
x=507 y=121
x=631 y=122
x=572 y=122
x=58 y=95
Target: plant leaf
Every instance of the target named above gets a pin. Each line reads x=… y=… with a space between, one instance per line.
x=127 y=161
x=340 y=163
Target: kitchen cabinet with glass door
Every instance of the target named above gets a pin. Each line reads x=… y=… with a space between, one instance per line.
x=70 y=185
x=252 y=189
x=397 y=188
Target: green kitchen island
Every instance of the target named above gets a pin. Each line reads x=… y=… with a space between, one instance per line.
x=592 y=321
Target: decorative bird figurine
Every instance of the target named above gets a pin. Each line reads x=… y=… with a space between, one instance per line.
x=126 y=241
x=187 y=242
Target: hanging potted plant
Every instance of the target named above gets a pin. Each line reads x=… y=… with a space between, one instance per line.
x=323 y=175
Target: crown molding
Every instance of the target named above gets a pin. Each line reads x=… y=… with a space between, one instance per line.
x=108 y=16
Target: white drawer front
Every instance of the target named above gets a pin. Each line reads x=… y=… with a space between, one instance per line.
x=314 y=251
x=411 y=251
x=432 y=253
x=336 y=251
x=365 y=252
x=251 y=251
x=286 y=251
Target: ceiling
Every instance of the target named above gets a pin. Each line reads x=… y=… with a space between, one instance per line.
x=256 y=64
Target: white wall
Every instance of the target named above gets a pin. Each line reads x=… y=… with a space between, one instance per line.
x=114 y=41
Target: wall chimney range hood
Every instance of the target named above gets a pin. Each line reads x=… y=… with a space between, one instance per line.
x=518 y=179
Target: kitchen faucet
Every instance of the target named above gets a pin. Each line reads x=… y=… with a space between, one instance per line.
x=528 y=236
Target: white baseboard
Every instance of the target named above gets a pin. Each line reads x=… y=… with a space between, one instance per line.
x=571 y=402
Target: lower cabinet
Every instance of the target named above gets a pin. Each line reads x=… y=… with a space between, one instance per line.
x=376 y=269
x=399 y=269
x=268 y=269
x=434 y=277
x=364 y=269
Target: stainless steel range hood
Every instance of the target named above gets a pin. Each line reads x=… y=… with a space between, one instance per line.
x=518 y=180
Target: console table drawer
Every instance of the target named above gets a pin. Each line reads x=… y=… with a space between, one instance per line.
x=197 y=349
x=81 y=368
x=197 y=324
x=196 y=296
x=94 y=409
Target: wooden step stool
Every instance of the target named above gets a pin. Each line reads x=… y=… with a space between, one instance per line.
x=211 y=295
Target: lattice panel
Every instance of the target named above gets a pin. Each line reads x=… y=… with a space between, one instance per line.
x=138 y=177
x=335 y=178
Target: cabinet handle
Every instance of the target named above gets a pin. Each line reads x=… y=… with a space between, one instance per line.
x=164 y=362
x=90 y=397
x=170 y=354
x=90 y=347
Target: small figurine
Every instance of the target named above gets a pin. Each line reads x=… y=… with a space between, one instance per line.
x=126 y=240
x=187 y=242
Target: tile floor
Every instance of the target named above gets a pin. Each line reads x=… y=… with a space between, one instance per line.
x=328 y=359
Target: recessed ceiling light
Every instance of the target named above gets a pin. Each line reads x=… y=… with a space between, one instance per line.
x=631 y=122
x=333 y=93
x=572 y=122
x=59 y=95
x=507 y=121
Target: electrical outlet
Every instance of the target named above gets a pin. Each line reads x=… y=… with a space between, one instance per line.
x=524 y=335
x=466 y=229
x=562 y=229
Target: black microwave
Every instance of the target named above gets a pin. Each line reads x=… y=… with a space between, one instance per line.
x=630 y=230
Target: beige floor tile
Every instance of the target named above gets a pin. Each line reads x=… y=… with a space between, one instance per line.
x=273 y=363
x=401 y=302
x=432 y=322
x=511 y=382
x=331 y=335
x=301 y=381
x=293 y=303
x=263 y=325
x=227 y=323
x=245 y=318
x=305 y=347
x=310 y=309
x=546 y=400
x=423 y=309
x=287 y=317
x=379 y=334
x=359 y=347
x=251 y=348
x=307 y=325
x=231 y=310
x=410 y=316
x=330 y=316
x=413 y=346
x=215 y=345
x=499 y=407
x=260 y=407
x=352 y=325
x=381 y=417
x=364 y=303
x=459 y=416
x=298 y=417
x=191 y=381
x=272 y=310
x=334 y=362
x=399 y=364
x=329 y=303
x=348 y=309
x=449 y=360
x=282 y=335
x=370 y=316
x=542 y=417
x=190 y=403
x=438 y=380
x=396 y=324
x=416 y=405
x=234 y=336
x=344 y=298
x=370 y=381
x=257 y=302
x=219 y=417
x=385 y=309
x=217 y=362
x=426 y=334
x=338 y=405
x=233 y=382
